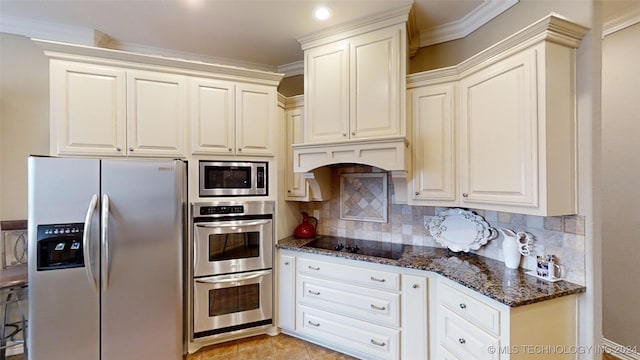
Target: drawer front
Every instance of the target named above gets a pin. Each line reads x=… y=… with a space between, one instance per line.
x=367 y=277
x=444 y=354
x=469 y=308
x=361 y=303
x=366 y=340
x=464 y=339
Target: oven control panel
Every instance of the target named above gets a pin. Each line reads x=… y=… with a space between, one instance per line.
x=221 y=210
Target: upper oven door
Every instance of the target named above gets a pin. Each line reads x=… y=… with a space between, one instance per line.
x=229 y=246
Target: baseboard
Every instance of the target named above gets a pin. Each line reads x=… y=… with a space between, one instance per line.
x=620 y=351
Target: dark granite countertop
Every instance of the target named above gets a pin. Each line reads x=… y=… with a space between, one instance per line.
x=484 y=275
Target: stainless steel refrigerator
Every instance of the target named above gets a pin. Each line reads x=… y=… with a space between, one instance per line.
x=105 y=259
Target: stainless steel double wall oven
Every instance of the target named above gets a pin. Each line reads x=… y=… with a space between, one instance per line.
x=232 y=277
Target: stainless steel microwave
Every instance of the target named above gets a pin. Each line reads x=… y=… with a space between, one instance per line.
x=233 y=178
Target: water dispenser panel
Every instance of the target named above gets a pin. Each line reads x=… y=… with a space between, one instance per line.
x=59 y=246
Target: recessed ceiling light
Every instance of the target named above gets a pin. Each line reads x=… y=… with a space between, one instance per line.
x=322 y=13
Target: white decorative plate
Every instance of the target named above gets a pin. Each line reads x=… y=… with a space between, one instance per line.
x=460 y=230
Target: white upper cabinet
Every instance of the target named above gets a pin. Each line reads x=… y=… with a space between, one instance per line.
x=88 y=109
x=514 y=120
x=433 y=110
x=99 y=110
x=355 y=83
x=116 y=103
x=156 y=114
x=232 y=118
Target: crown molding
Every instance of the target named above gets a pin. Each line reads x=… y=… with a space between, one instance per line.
x=291 y=69
x=620 y=23
x=459 y=29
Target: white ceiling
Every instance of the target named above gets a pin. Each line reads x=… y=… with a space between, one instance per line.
x=259 y=34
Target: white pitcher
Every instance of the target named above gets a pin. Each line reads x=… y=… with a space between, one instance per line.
x=514 y=246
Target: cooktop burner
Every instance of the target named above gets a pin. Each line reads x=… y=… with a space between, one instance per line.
x=354 y=246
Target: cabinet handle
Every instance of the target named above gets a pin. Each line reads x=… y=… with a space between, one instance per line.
x=378 y=307
x=286 y=263
x=465 y=195
x=378 y=280
x=462 y=341
x=118 y=149
x=131 y=149
x=313 y=324
x=415 y=286
x=378 y=343
x=314 y=292
x=463 y=306
x=314 y=268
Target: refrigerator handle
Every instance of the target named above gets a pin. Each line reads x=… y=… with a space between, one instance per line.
x=105 y=240
x=86 y=240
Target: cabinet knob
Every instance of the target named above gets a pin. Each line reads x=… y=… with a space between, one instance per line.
x=344 y=134
x=465 y=195
x=463 y=306
x=130 y=149
x=118 y=149
x=239 y=149
x=230 y=149
x=462 y=341
x=286 y=263
x=289 y=191
x=353 y=133
x=417 y=193
x=415 y=286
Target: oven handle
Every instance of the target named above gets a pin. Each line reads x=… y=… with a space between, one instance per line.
x=233 y=224
x=233 y=278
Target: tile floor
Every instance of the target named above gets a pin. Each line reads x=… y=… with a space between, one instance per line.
x=264 y=347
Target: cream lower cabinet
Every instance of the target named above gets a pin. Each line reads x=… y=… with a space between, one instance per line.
x=470 y=326
x=100 y=110
x=286 y=303
x=230 y=118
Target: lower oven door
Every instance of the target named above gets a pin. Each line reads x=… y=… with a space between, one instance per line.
x=232 y=302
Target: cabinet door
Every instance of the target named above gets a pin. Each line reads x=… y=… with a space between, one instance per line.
x=88 y=109
x=327 y=93
x=287 y=292
x=212 y=116
x=297 y=187
x=433 y=157
x=415 y=322
x=499 y=135
x=375 y=80
x=156 y=113
x=256 y=115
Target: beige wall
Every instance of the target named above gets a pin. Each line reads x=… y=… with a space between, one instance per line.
x=620 y=195
x=24 y=119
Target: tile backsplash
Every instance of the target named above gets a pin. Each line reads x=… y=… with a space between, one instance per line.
x=562 y=236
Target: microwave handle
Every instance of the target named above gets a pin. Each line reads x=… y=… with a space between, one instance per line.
x=227 y=224
x=226 y=279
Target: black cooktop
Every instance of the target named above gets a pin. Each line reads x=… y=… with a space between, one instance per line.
x=355 y=246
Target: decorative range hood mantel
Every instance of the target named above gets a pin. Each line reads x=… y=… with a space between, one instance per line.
x=390 y=154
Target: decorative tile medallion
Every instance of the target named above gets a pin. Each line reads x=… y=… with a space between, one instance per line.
x=363 y=197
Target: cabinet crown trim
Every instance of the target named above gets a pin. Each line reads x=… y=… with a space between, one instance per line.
x=553 y=28
x=95 y=55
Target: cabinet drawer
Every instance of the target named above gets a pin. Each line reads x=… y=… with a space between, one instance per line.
x=367 y=277
x=469 y=308
x=361 y=303
x=464 y=339
x=366 y=340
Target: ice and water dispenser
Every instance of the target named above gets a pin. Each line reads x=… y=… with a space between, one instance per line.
x=59 y=246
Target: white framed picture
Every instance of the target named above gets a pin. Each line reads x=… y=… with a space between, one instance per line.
x=363 y=197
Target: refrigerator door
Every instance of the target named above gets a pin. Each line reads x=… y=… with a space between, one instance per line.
x=64 y=305
x=142 y=211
